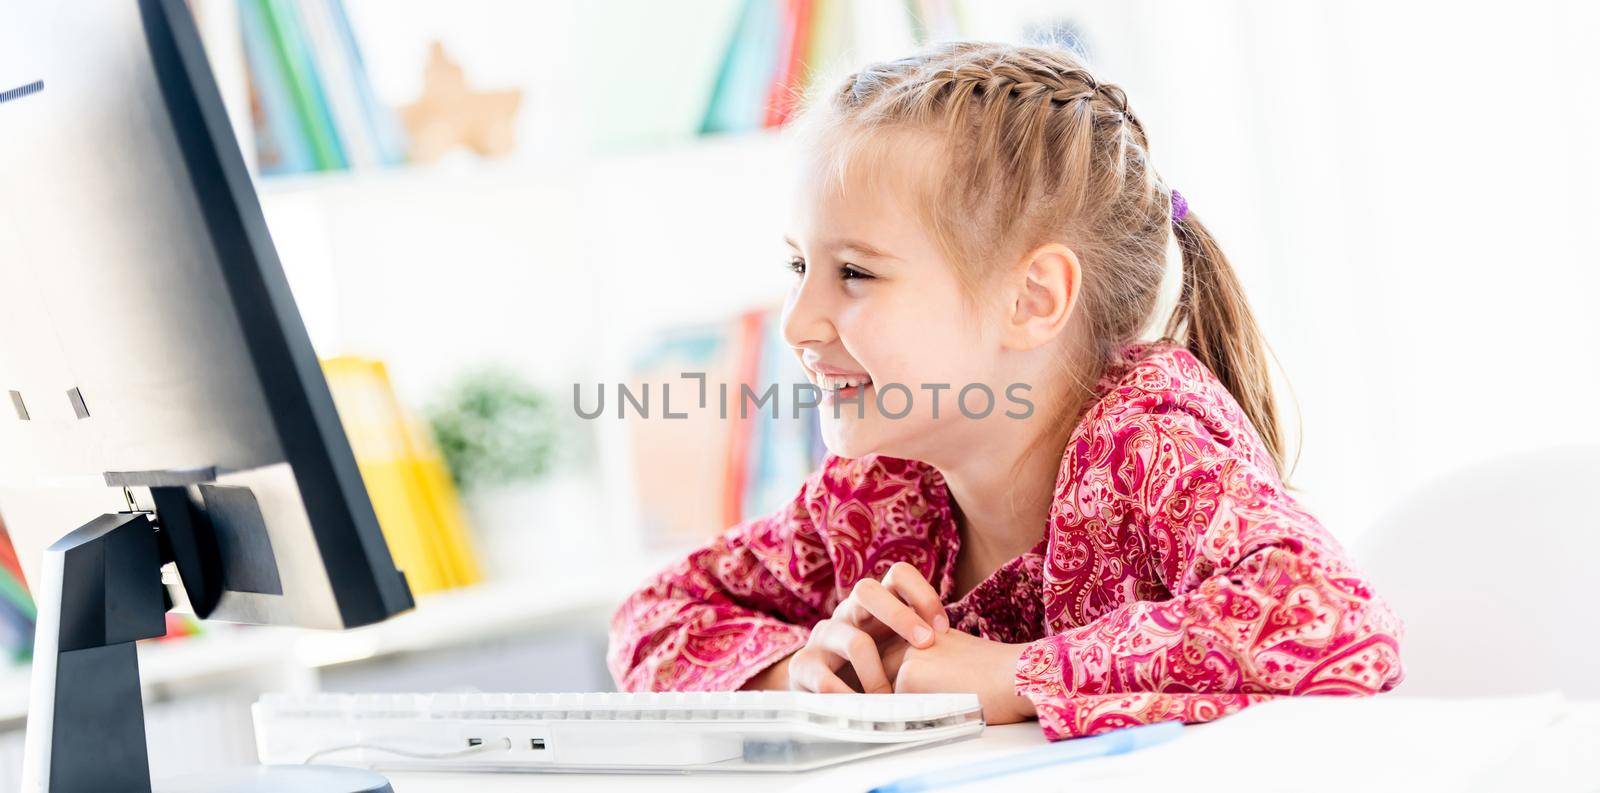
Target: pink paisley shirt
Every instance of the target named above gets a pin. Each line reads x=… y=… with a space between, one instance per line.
x=1177 y=579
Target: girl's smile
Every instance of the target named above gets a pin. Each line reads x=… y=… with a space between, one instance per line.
x=837 y=384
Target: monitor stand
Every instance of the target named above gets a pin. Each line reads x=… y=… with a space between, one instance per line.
x=99 y=592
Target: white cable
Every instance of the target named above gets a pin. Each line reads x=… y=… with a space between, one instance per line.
x=467 y=752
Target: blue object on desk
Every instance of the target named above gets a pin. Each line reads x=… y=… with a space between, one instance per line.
x=1111 y=743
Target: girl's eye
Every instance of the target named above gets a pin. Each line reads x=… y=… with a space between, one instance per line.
x=848 y=272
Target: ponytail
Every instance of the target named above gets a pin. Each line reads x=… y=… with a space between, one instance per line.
x=1221 y=331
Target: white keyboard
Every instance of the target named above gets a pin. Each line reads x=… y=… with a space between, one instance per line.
x=733 y=731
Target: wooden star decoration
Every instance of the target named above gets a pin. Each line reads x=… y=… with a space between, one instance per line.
x=450 y=113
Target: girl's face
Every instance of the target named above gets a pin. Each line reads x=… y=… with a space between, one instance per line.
x=879 y=319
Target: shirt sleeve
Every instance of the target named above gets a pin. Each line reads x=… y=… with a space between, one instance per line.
x=1264 y=602
x=729 y=610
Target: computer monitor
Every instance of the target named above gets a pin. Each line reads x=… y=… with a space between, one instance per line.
x=161 y=407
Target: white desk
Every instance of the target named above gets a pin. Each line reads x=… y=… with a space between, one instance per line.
x=993 y=741
x=1388 y=743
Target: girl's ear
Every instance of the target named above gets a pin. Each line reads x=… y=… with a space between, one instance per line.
x=1044 y=296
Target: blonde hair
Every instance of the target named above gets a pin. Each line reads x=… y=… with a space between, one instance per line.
x=1038 y=150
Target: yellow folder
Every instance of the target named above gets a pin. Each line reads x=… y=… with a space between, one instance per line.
x=411 y=491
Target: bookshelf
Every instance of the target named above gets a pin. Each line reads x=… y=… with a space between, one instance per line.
x=333 y=85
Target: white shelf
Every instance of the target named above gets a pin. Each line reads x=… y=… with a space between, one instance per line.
x=471 y=614
x=566 y=172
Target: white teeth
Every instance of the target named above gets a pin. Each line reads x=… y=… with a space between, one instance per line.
x=829 y=382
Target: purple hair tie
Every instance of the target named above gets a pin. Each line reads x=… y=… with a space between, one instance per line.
x=1180 y=207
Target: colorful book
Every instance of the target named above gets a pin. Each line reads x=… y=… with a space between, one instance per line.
x=287 y=32
x=282 y=145
x=312 y=98
x=382 y=120
x=17 y=612
x=338 y=80
x=715 y=465
x=679 y=466
x=783 y=452
x=742 y=423
x=739 y=98
x=788 y=83
x=829 y=41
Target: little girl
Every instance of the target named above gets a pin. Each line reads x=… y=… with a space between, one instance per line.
x=985 y=219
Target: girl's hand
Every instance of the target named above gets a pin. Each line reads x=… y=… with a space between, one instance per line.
x=961 y=662
x=880 y=619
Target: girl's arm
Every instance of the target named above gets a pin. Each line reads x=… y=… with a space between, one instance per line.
x=728 y=611
x=1264 y=603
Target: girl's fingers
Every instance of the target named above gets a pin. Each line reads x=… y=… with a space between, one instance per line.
x=831 y=684
x=849 y=643
x=907 y=583
x=809 y=671
x=870 y=598
x=893 y=657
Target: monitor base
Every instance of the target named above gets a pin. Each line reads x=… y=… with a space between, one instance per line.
x=99 y=592
x=279 y=779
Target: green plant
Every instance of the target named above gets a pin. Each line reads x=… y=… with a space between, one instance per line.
x=495 y=428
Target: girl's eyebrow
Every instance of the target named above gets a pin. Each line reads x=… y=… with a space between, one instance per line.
x=865 y=249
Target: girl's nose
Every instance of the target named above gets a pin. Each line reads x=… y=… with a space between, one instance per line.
x=807 y=318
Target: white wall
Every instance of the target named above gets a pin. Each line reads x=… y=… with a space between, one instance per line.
x=1409 y=191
